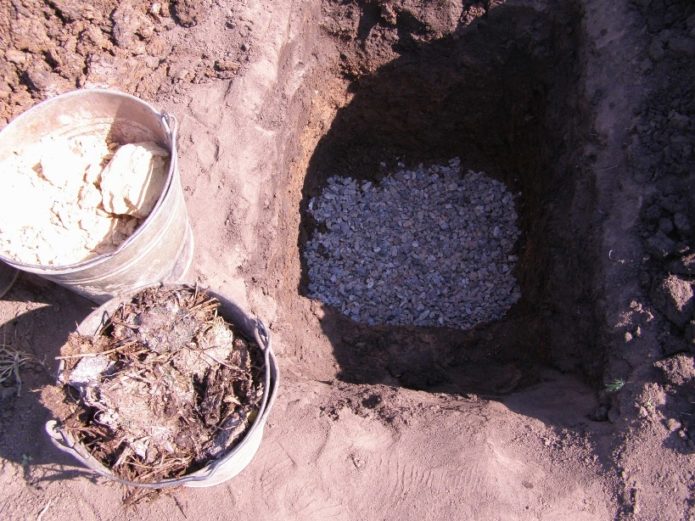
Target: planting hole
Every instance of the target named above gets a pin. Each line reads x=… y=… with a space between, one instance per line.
x=435 y=224
x=426 y=247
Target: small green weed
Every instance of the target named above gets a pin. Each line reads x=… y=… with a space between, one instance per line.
x=615 y=385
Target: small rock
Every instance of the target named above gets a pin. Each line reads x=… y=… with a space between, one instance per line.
x=673 y=425
x=227 y=65
x=15 y=56
x=683 y=266
x=690 y=332
x=682 y=223
x=5 y=91
x=45 y=82
x=92 y=36
x=357 y=462
x=186 y=12
x=653 y=212
x=89 y=370
x=600 y=414
x=665 y=225
x=71 y=10
x=678 y=369
x=673 y=296
x=678 y=121
x=126 y=23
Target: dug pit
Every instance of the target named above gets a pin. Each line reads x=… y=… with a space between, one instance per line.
x=500 y=94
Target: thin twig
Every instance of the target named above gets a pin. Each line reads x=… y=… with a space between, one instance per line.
x=100 y=353
x=44 y=510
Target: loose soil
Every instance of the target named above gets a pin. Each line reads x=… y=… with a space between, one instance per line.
x=577 y=404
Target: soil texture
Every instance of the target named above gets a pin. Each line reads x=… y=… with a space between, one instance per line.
x=577 y=404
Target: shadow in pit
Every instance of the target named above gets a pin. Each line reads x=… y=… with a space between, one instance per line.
x=40 y=332
x=502 y=95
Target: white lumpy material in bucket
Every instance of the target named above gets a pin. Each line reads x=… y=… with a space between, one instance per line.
x=161 y=248
x=229 y=464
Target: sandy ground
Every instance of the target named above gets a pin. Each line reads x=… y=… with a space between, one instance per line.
x=334 y=449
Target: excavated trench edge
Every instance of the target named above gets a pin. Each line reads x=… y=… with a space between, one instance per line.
x=503 y=95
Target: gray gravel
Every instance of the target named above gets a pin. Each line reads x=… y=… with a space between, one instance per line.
x=428 y=247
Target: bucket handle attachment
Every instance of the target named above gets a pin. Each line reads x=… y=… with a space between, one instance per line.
x=263 y=341
x=65 y=443
x=170 y=124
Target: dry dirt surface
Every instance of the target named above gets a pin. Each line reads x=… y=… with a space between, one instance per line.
x=579 y=404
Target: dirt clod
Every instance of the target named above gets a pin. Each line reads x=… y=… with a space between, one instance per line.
x=186 y=12
x=674 y=298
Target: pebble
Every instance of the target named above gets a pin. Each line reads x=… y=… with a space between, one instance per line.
x=401 y=265
x=673 y=425
x=14 y=56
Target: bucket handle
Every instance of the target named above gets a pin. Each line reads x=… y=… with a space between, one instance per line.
x=171 y=126
x=263 y=341
x=64 y=442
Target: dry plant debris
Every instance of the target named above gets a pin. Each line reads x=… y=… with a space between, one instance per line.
x=165 y=387
x=11 y=362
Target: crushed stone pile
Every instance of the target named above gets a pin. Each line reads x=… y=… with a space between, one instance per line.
x=425 y=247
x=64 y=200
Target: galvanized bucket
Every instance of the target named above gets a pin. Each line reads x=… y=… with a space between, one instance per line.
x=161 y=249
x=228 y=465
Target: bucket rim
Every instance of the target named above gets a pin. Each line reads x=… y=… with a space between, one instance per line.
x=170 y=125
x=66 y=443
x=11 y=275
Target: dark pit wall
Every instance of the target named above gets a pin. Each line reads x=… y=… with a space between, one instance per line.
x=501 y=94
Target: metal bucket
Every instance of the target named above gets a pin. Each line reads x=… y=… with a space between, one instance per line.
x=161 y=249
x=219 y=470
